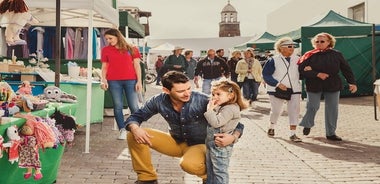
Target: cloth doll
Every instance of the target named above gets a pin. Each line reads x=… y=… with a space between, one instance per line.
x=29 y=156
x=25 y=88
x=35 y=134
x=15 y=15
x=66 y=125
x=1 y=146
x=13 y=144
x=59 y=139
x=55 y=94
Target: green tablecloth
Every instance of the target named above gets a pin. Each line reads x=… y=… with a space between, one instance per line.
x=50 y=158
x=80 y=91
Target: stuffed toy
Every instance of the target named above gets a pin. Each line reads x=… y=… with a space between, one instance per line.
x=66 y=125
x=29 y=156
x=34 y=135
x=1 y=146
x=13 y=144
x=9 y=108
x=58 y=135
x=25 y=88
x=54 y=94
x=15 y=15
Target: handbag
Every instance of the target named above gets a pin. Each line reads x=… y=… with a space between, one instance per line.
x=284 y=94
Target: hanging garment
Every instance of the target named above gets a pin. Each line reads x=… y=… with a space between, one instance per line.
x=69 y=45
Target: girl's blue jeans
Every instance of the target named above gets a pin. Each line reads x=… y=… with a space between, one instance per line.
x=217 y=159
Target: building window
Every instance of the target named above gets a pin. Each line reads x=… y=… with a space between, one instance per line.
x=358 y=12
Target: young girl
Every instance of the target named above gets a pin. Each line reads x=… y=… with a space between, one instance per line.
x=223 y=114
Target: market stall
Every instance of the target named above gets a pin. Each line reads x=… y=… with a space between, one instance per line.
x=85 y=13
x=50 y=158
x=79 y=90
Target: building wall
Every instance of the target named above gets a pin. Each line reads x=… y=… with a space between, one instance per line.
x=229 y=30
x=307 y=12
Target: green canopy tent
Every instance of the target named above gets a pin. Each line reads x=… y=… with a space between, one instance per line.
x=295 y=35
x=264 y=42
x=354 y=40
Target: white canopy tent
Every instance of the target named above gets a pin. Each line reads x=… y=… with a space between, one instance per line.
x=75 y=13
x=164 y=49
x=78 y=13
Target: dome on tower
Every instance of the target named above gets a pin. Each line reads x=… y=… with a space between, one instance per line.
x=229 y=8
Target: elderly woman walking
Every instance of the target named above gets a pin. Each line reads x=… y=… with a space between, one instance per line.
x=320 y=67
x=281 y=72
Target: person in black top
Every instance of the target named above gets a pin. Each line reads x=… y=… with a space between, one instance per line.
x=320 y=68
x=210 y=68
x=236 y=56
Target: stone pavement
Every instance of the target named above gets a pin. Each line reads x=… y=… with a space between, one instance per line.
x=256 y=158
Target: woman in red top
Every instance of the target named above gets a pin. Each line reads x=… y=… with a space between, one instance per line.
x=121 y=74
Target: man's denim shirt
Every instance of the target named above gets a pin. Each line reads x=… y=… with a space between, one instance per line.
x=188 y=126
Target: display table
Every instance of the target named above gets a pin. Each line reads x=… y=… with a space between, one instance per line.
x=50 y=158
x=80 y=91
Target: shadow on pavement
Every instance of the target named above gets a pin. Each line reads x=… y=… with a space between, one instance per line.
x=344 y=150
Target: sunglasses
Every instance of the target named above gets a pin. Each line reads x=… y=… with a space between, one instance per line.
x=322 y=41
x=288 y=46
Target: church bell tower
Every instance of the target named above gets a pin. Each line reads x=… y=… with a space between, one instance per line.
x=229 y=26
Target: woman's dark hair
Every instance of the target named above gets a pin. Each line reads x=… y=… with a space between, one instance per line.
x=172 y=77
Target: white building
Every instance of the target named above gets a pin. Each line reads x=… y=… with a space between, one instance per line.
x=299 y=13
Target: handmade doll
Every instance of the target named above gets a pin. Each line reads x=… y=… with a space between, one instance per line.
x=35 y=134
x=66 y=125
x=25 y=88
x=13 y=144
x=15 y=15
x=29 y=156
x=1 y=146
x=55 y=94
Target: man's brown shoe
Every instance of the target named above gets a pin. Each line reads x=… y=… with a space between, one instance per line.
x=271 y=132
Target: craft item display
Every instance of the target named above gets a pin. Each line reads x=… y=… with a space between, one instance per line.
x=55 y=94
x=13 y=144
x=1 y=146
x=66 y=124
x=35 y=134
x=14 y=16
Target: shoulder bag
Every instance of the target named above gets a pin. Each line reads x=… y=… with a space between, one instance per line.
x=287 y=94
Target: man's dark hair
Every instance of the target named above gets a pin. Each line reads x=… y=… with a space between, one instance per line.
x=172 y=77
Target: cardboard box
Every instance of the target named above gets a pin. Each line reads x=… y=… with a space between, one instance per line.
x=28 y=77
x=15 y=68
x=3 y=67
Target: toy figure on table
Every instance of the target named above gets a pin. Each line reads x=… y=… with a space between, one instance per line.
x=1 y=146
x=66 y=124
x=25 y=88
x=55 y=94
x=15 y=15
x=35 y=134
x=13 y=144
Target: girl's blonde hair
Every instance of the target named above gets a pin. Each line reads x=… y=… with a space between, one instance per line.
x=231 y=87
x=121 y=42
